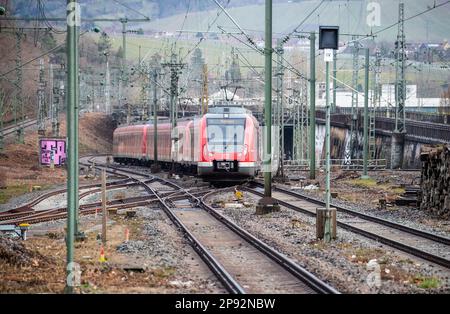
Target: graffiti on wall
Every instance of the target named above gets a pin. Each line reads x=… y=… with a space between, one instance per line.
x=52 y=149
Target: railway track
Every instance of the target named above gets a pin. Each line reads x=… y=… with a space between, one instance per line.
x=92 y=208
x=13 y=128
x=272 y=271
x=430 y=247
x=240 y=261
x=233 y=254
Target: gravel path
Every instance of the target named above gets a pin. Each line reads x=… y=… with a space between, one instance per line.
x=162 y=246
x=344 y=262
x=407 y=216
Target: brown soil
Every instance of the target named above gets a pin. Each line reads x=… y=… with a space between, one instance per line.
x=19 y=163
x=381 y=185
x=37 y=265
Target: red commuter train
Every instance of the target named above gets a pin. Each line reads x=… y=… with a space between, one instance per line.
x=221 y=145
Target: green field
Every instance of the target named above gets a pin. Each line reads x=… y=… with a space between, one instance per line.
x=349 y=15
x=214 y=52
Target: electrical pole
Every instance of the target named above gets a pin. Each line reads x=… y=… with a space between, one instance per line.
x=366 y=116
x=267 y=204
x=327 y=136
x=53 y=99
x=376 y=97
x=124 y=77
x=73 y=18
x=175 y=68
x=78 y=234
x=296 y=123
x=312 y=108
x=205 y=89
x=333 y=107
x=155 y=167
x=354 y=112
x=279 y=116
x=1 y=120
x=398 y=136
x=62 y=102
x=41 y=99
x=108 y=110
x=304 y=119
x=18 y=100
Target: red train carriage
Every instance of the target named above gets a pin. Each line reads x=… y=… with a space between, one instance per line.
x=221 y=145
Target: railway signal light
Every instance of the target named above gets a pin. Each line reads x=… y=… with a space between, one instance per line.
x=328 y=41
x=329 y=37
x=96 y=29
x=2 y=10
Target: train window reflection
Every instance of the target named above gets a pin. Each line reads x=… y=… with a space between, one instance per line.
x=225 y=135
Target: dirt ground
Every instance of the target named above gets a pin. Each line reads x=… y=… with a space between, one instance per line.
x=350 y=187
x=19 y=163
x=37 y=265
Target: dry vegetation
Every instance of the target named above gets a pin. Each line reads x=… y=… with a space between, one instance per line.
x=19 y=163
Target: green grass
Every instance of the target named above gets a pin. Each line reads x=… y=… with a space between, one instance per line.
x=365 y=183
x=164 y=272
x=370 y=183
x=12 y=191
x=427 y=282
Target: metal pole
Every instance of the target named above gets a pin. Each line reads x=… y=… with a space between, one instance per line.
x=268 y=100
x=155 y=167
x=279 y=123
x=327 y=138
x=71 y=164
x=124 y=65
x=18 y=100
x=155 y=117
x=41 y=99
x=1 y=121
x=104 y=213
x=107 y=87
x=267 y=204
x=52 y=99
x=312 y=109
x=366 y=115
x=333 y=109
x=78 y=236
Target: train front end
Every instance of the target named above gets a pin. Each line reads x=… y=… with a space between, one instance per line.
x=229 y=145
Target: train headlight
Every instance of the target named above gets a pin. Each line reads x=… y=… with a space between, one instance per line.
x=206 y=153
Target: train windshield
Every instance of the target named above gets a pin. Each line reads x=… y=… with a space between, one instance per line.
x=225 y=135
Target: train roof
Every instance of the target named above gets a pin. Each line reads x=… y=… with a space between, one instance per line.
x=228 y=110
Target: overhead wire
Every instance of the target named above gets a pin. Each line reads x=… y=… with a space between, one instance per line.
x=36 y=58
x=184 y=20
x=207 y=30
x=287 y=37
x=41 y=12
x=131 y=9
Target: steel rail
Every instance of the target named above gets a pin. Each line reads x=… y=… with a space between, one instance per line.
x=61 y=213
x=222 y=274
x=381 y=221
x=286 y=263
x=27 y=208
x=392 y=243
x=306 y=277
x=13 y=128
